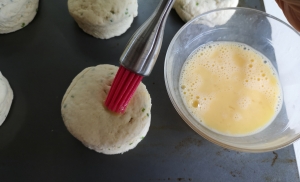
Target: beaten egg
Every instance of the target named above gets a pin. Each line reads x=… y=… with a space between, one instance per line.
x=231 y=88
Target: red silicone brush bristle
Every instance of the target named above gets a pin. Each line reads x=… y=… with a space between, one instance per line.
x=122 y=89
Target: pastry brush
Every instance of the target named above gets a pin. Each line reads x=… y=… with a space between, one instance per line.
x=138 y=58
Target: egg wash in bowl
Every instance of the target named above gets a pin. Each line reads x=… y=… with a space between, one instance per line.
x=231 y=88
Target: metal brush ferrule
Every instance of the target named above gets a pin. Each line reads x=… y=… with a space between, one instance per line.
x=143 y=48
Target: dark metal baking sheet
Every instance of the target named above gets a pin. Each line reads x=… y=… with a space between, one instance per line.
x=41 y=60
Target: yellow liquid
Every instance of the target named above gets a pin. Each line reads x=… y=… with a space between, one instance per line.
x=231 y=88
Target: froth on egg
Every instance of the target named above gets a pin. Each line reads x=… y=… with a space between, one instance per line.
x=235 y=73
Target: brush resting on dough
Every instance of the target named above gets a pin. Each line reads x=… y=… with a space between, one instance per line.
x=99 y=129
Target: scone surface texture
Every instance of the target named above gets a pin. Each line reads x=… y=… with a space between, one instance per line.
x=103 y=18
x=188 y=9
x=6 y=97
x=88 y=120
x=16 y=14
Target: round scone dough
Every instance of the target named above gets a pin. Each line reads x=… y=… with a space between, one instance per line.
x=88 y=120
x=102 y=18
x=188 y=9
x=16 y=14
x=6 y=97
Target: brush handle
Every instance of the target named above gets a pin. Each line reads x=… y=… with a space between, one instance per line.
x=143 y=48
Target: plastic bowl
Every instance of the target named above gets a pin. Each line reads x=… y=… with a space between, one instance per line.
x=278 y=41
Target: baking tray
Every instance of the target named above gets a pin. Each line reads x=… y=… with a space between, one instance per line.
x=40 y=62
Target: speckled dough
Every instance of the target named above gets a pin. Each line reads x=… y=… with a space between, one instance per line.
x=6 y=97
x=16 y=14
x=188 y=9
x=103 y=18
x=88 y=120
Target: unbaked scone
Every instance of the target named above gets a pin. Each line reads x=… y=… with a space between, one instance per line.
x=102 y=18
x=6 y=97
x=188 y=9
x=88 y=120
x=16 y=14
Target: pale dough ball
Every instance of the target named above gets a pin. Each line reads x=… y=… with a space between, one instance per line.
x=6 y=97
x=188 y=9
x=99 y=129
x=102 y=18
x=16 y=14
